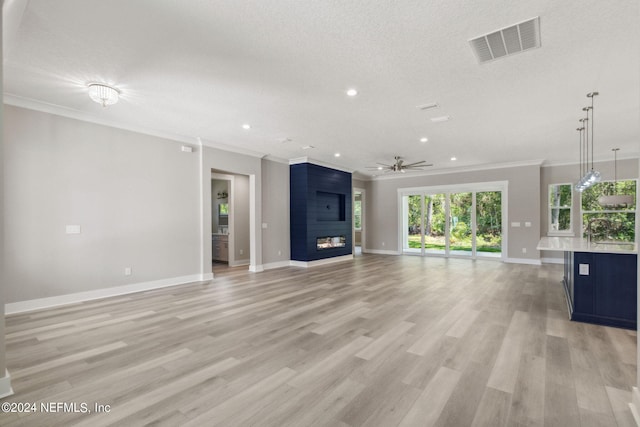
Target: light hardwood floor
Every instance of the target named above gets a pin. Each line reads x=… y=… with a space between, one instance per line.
x=380 y=341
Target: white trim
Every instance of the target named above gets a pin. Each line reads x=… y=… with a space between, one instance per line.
x=278 y=264
x=239 y=262
x=5 y=385
x=523 y=261
x=206 y=277
x=624 y=156
x=381 y=252
x=307 y=264
x=58 y=110
x=256 y=268
x=634 y=405
x=462 y=169
x=49 y=302
x=552 y=260
x=300 y=160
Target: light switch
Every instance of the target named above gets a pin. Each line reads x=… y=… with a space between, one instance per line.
x=264 y=225
x=583 y=269
x=515 y=224
x=73 y=229
x=527 y=224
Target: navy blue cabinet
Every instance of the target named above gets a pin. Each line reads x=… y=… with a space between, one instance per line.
x=320 y=212
x=602 y=288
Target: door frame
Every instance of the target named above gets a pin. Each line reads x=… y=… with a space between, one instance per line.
x=363 y=240
x=231 y=244
x=476 y=187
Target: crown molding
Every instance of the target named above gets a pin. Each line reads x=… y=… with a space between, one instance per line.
x=461 y=169
x=626 y=156
x=59 y=110
x=299 y=160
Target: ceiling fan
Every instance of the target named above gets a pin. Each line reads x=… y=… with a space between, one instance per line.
x=400 y=166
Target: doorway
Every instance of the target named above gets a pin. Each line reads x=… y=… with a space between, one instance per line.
x=230 y=223
x=358 y=221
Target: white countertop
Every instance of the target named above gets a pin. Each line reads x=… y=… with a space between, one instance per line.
x=577 y=244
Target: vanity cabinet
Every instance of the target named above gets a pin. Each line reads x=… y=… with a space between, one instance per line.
x=220 y=247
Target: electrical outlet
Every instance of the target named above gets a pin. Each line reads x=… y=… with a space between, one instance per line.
x=127 y=271
x=279 y=253
x=524 y=250
x=241 y=251
x=382 y=243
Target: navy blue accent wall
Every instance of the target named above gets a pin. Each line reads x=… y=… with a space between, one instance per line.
x=320 y=207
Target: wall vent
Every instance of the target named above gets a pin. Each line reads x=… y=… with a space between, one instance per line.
x=507 y=41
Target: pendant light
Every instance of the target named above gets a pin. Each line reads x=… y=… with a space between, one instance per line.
x=591 y=176
x=615 y=201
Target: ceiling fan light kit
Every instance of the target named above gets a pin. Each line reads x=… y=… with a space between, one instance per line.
x=400 y=166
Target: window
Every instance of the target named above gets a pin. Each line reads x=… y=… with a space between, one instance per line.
x=609 y=224
x=357 y=211
x=560 y=197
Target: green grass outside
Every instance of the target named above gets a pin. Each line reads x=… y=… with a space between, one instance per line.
x=414 y=242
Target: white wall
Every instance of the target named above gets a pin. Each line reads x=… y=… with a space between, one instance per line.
x=241 y=210
x=5 y=386
x=276 y=244
x=135 y=197
x=523 y=204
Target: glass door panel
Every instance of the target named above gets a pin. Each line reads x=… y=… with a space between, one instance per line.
x=489 y=224
x=413 y=224
x=435 y=224
x=460 y=223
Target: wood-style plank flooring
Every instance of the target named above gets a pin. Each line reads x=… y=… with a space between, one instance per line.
x=380 y=341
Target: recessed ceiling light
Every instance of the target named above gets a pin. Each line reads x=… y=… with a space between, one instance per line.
x=424 y=139
x=427 y=106
x=352 y=92
x=453 y=159
x=440 y=119
x=337 y=155
x=246 y=126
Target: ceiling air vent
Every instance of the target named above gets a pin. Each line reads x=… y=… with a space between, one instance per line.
x=507 y=41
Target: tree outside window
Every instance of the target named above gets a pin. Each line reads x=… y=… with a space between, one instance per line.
x=609 y=224
x=560 y=198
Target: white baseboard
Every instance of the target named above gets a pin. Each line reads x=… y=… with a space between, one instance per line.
x=278 y=264
x=325 y=261
x=256 y=268
x=206 y=277
x=5 y=385
x=41 y=303
x=523 y=261
x=634 y=405
x=382 y=252
x=239 y=262
x=552 y=260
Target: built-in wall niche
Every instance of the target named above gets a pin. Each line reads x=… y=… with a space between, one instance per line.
x=330 y=206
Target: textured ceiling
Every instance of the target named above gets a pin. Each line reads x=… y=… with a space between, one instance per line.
x=203 y=68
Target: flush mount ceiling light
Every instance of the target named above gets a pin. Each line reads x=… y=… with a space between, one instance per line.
x=103 y=94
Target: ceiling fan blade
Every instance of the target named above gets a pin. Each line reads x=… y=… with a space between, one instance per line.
x=415 y=163
x=385 y=165
x=419 y=167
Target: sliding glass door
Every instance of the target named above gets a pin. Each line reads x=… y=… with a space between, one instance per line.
x=452 y=223
x=435 y=224
x=489 y=224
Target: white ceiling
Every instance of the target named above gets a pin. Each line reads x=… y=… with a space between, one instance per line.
x=203 y=68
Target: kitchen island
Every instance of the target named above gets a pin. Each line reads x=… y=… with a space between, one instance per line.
x=600 y=280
